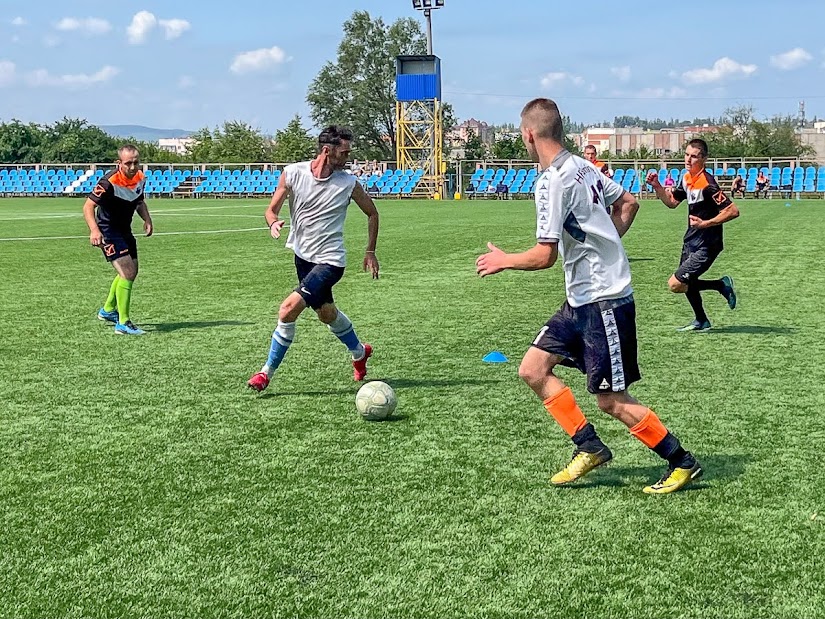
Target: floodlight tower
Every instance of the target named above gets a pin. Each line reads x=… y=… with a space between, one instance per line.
x=418 y=113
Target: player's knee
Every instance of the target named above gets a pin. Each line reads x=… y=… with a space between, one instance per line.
x=531 y=373
x=290 y=310
x=327 y=313
x=608 y=403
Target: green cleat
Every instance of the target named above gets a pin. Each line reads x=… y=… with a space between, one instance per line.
x=582 y=463
x=729 y=293
x=675 y=479
x=701 y=327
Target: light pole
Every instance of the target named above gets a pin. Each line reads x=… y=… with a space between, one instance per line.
x=427 y=6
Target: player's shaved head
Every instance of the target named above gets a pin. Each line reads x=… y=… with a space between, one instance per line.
x=542 y=117
x=590 y=148
x=701 y=145
x=127 y=150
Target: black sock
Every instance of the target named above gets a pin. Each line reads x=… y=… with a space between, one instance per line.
x=671 y=450
x=694 y=297
x=587 y=440
x=710 y=284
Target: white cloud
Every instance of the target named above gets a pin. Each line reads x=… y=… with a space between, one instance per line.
x=88 y=25
x=623 y=73
x=7 y=72
x=42 y=77
x=555 y=78
x=142 y=23
x=184 y=82
x=258 y=60
x=662 y=93
x=51 y=41
x=174 y=27
x=722 y=68
x=18 y=21
x=792 y=59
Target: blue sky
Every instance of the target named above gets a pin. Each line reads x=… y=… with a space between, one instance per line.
x=189 y=64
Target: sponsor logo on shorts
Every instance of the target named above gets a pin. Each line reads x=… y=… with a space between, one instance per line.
x=604 y=384
x=109 y=249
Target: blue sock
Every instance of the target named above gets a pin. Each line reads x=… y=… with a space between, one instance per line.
x=281 y=339
x=342 y=328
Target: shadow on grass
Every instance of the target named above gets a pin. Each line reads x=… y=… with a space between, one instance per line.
x=715 y=467
x=640 y=259
x=314 y=393
x=167 y=327
x=403 y=383
x=754 y=329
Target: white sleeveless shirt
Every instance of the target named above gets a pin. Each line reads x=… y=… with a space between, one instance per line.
x=317 y=211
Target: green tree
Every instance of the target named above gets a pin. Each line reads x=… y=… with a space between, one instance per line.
x=235 y=142
x=358 y=89
x=508 y=147
x=74 y=140
x=21 y=143
x=201 y=149
x=293 y=143
x=740 y=134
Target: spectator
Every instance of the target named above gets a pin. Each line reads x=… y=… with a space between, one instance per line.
x=502 y=190
x=491 y=190
x=669 y=182
x=762 y=184
x=738 y=186
x=471 y=190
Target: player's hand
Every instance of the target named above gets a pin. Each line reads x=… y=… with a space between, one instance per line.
x=96 y=238
x=495 y=261
x=371 y=264
x=148 y=228
x=653 y=180
x=275 y=228
x=697 y=223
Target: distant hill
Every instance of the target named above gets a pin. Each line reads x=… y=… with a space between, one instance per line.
x=145 y=134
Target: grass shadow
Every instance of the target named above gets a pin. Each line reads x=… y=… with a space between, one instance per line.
x=316 y=393
x=403 y=383
x=167 y=327
x=755 y=330
x=641 y=259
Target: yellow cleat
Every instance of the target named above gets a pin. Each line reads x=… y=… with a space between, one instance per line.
x=675 y=479
x=581 y=464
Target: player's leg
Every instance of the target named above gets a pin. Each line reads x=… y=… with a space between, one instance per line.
x=109 y=310
x=282 y=338
x=682 y=282
x=121 y=251
x=559 y=342
x=612 y=366
x=341 y=327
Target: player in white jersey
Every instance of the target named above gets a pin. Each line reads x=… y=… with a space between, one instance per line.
x=319 y=193
x=595 y=330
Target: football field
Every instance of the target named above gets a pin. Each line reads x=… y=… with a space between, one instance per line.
x=140 y=477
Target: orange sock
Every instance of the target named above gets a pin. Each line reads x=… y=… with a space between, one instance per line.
x=650 y=430
x=562 y=406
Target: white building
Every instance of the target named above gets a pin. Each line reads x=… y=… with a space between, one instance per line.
x=179 y=146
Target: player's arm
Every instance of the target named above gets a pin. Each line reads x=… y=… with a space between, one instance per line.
x=731 y=211
x=365 y=203
x=95 y=235
x=665 y=194
x=143 y=212
x=541 y=256
x=273 y=211
x=623 y=212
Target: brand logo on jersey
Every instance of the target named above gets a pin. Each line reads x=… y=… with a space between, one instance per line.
x=719 y=197
x=99 y=190
x=604 y=384
x=695 y=195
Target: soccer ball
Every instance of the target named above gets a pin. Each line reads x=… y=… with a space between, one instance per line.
x=375 y=400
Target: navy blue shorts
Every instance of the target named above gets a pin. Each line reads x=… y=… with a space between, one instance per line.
x=694 y=263
x=598 y=339
x=117 y=244
x=315 y=281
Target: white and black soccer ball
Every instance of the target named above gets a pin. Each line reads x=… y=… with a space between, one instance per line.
x=375 y=400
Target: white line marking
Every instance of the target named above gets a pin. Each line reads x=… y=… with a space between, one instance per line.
x=151 y=210
x=86 y=236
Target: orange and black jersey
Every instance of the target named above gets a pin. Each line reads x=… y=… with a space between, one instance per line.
x=705 y=201
x=117 y=197
x=601 y=166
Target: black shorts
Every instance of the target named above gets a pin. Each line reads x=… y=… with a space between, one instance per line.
x=117 y=244
x=599 y=339
x=315 y=281
x=695 y=262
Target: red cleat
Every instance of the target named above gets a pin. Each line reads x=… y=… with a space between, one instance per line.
x=258 y=382
x=360 y=367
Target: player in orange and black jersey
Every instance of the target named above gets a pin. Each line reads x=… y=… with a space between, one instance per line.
x=590 y=155
x=108 y=211
x=708 y=209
